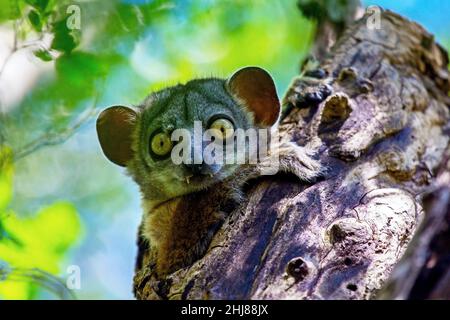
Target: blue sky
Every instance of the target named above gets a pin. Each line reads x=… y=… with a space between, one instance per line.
x=432 y=14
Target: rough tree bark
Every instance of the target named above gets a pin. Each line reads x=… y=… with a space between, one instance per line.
x=382 y=133
x=332 y=18
x=424 y=271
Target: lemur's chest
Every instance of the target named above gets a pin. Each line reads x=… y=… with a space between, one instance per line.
x=159 y=222
x=176 y=230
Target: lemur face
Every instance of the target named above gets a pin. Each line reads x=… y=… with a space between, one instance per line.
x=162 y=142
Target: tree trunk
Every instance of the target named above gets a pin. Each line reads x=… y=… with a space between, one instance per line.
x=382 y=133
x=424 y=271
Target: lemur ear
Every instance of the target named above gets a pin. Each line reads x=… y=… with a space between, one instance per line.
x=255 y=87
x=114 y=129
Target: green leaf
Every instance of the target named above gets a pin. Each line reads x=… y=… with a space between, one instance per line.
x=41 y=5
x=58 y=226
x=64 y=39
x=36 y=243
x=2 y=234
x=35 y=20
x=10 y=10
x=83 y=65
x=42 y=240
x=6 y=176
x=44 y=55
x=79 y=72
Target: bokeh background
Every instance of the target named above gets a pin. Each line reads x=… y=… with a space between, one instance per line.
x=63 y=206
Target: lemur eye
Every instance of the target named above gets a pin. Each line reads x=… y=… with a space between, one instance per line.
x=161 y=144
x=225 y=127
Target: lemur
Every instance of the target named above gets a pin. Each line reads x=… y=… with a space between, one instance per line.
x=183 y=202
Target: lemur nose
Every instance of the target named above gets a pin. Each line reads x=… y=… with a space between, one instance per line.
x=196 y=169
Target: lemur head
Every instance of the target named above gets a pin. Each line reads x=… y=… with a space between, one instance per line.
x=140 y=138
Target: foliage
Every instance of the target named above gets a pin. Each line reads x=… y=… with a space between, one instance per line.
x=128 y=38
x=27 y=244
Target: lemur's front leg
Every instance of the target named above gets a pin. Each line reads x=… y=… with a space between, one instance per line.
x=300 y=162
x=291 y=158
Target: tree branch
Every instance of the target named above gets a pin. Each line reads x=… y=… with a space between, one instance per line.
x=56 y=137
x=332 y=18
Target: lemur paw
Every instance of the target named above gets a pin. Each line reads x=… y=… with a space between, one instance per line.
x=300 y=162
